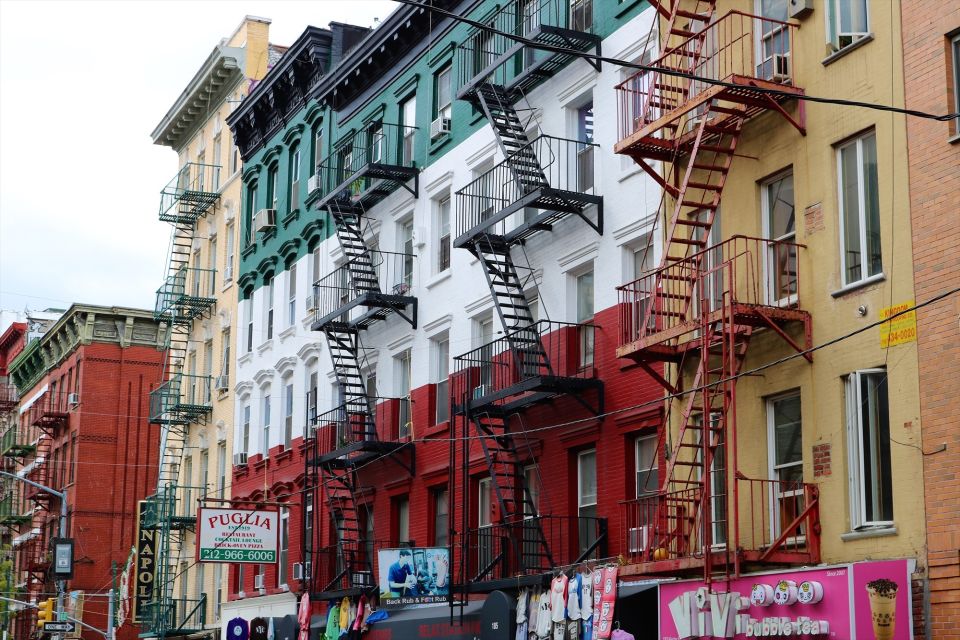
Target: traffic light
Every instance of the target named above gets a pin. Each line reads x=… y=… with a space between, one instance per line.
x=45 y=612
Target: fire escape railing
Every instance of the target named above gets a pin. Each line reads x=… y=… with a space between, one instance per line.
x=367 y=165
x=386 y=420
x=189 y=292
x=373 y=280
x=737 y=44
x=50 y=410
x=487 y=202
x=483 y=52
x=507 y=550
x=183 y=398
x=194 y=189
x=18 y=440
x=763 y=273
x=9 y=396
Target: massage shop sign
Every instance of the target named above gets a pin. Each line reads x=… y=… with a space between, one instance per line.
x=237 y=535
x=859 y=601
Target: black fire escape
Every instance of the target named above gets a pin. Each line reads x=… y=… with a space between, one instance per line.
x=540 y=181
x=369 y=286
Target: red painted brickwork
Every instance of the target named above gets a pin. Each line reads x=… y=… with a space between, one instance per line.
x=934 y=199
x=821 y=460
x=105 y=458
x=555 y=450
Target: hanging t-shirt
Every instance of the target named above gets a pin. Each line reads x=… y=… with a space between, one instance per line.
x=258 y=629
x=558 y=597
x=333 y=623
x=238 y=629
x=573 y=598
x=544 y=621
x=522 y=606
x=586 y=597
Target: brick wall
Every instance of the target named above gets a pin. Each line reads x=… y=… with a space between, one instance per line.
x=934 y=193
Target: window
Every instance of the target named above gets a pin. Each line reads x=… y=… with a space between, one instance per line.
x=218 y=589
x=273 y=198
x=221 y=469
x=308 y=530
x=587 y=496
x=441 y=517
x=249 y=312
x=584 y=315
x=245 y=433
x=585 y=151
x=294 y=178
x=375 y=142
x=73 y=455
x=284 y=547
x=718 y=483
x=581 y=15
x=187 y=505
x=315 y=274
x=225 y=355
x=868 y=445
x=408 y=120
x=268 y=306
x=292 y=295
x=249 y=211
x=287 y=416
x=229 y=258
x=406 y=248
x=207 y=370
x=217 y=153
x=485 y=533
x=773 y=41
x=441 y=357
x=645 y=462
x=317 y=151
x=402 y=367
x=204 y=471
x=266 y=425
x=234 y=159
x=784 y=434
x=531 y=484
x=484 y=339
x=401 y=510
x=859 y=209
x=443 y=232
x=779 y=225
x=184 y=575
x=240 y=576
x=200 y=578
x=955 y=61
x=443 y=98
x=847 y=22
x=312 y=392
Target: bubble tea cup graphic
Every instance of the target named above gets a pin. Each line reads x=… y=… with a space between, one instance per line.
x=883 y=607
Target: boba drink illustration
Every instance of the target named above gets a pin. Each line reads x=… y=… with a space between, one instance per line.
x=883 y=607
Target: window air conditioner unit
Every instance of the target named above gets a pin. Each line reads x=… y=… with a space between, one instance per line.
x=639 y=539
x=73 y=399
x=301 y=570
x=222 y=383
x=313 y=183
x=239 y=459
x=780 y=68
x=265 y=220
x=311 y=304
x=439 y=127
x=228 y=273
x=258 y=582
x=480 y=390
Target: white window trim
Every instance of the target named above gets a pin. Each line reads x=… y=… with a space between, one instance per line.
x=955 y=56
x=636 y=462
x=765 y=227
x=580 y=502
x=852 y=403
x=775 y=524
x=833 y=37
x=861 y=212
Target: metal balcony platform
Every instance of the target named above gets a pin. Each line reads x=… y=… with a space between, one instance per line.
x=378 y=306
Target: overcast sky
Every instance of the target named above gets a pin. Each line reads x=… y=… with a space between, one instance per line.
x=82 y=85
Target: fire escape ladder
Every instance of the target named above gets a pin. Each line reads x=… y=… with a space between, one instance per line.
x=512 y=306
x=514 y=502
x=348 y=221
x=512 y=138
x=683 y=24
x=340 y=490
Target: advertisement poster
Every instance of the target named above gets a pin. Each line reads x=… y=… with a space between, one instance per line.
x=419 y=575
x=237 y=535
x=860 y=601
x=146 y=567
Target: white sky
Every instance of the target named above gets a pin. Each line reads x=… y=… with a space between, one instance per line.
x=82 y=85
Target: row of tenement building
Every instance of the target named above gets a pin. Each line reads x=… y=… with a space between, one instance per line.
x=483 y=286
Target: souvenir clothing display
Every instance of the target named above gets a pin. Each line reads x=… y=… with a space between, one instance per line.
x=238 y=629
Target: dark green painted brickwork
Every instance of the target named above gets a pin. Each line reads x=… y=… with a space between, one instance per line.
x=299 y=229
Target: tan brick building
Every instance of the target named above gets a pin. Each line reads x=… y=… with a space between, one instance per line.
x=931 y=56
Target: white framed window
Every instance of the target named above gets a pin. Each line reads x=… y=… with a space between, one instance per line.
x=405 y=242
x=585 y=312
x=287 y=416
x=204 y=471
x=207 y=382
x=587 y=497
x=217 y=159
x=408 y=118
x=230 y=257
x=273 y=195
x=317 y=148
x=483 y=339
x=955 y=72
x=225 y=354
x=779 y=225
x=188 y=503
x=441 y=374
x=443 y=234
x=249 y=313
x=444 y=95
x=292 y=295
x=718 y=484
x=221 y=469
x=485 y=543
x=245 y=429
x=441 y=517
x=531 y=484
x=313 y=390
x=860 y=256
x=218 y=590
x=868 y=449
x=403 y=372
x=402 y=506
x=645 y=463
x=268 y=307
x=585 y=160
x=294 y=179
x=265 y=442
x=847 y=22
x=773 y=41
x=284 y=555
x=785 y=445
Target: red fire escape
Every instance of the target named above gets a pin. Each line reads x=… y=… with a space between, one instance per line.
x=689 y=322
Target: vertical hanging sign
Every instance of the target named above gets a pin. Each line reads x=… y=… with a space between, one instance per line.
x=146 y=566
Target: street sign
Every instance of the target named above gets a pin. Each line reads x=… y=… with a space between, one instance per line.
x=59 y=627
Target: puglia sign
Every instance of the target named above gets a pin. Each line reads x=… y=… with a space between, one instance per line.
x=237 y=535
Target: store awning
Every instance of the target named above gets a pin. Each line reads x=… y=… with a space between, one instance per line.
x=433 y=622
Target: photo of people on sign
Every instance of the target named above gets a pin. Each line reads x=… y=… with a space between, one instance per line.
x=419 y=575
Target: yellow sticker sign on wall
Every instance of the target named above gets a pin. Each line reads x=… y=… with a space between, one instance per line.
x=901 y=329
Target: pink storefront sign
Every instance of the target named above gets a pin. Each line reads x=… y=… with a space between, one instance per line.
x=859 y=601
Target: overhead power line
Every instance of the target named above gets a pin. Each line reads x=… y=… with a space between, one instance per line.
x=674 y=72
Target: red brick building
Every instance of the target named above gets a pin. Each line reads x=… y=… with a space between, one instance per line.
x=82 y=429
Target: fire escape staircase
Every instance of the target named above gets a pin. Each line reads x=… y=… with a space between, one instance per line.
x=187 y=294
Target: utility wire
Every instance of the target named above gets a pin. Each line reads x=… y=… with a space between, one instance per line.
x=674 y=72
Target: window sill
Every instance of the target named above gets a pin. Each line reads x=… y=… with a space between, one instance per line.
x=625 y=6
x=284 y=454
x=245 y=358
x=226 y=286
x=286 y=333
x=249 y=250
x=440 y=427
x=859 y=284
x=871 y=532
x=836 y=55
x=954 y=139
x=266 y=346
x=440 y=143
x=290 y=217
x=438 y=278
